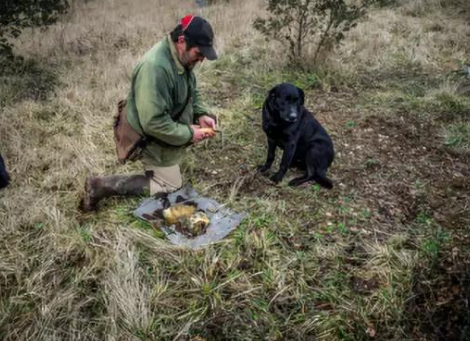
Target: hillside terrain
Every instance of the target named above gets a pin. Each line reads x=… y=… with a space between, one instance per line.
x=384 y=255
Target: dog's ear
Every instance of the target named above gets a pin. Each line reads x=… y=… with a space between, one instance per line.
x=272 y=93
x=302 y=96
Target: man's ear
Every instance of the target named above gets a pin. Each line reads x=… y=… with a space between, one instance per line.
x=181 y=39
x=302 y=96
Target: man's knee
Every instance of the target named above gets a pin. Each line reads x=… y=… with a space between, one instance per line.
x=164 y=179
x=160 y=187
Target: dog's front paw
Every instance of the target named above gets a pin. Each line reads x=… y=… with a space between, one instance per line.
x=262 y=168
x=276 y=178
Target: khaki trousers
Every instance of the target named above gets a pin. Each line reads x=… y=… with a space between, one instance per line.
x=163 y=179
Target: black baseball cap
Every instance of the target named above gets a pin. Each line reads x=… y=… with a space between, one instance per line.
x=200 y=33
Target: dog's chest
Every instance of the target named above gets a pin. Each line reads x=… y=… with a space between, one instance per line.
x=278 y=134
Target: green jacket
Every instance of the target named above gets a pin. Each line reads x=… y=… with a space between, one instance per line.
x=159 y=91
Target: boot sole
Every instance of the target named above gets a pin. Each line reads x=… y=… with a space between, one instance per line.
x=86 y=204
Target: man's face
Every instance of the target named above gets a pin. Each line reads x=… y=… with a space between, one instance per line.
x=190 y=57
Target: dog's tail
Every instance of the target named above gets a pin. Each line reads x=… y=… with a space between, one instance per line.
x=323 y=181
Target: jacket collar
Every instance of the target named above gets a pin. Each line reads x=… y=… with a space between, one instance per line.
x=174 y=55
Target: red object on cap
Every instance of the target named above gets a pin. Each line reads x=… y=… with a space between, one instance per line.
x=186 y=21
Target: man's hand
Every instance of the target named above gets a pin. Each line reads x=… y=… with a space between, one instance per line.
x=206 y=122
x=198 y=133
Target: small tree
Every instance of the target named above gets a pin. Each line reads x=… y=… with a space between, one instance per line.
x=16 y=15
x=301 y=22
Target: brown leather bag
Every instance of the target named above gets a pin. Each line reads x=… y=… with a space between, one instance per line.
x=129 y=143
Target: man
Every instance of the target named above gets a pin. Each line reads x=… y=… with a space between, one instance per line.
x=163 y=105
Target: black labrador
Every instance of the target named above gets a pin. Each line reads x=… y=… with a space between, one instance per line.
x=291 y=127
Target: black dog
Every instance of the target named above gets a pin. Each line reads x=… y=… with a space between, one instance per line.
x=291 y=127
x=4 y=178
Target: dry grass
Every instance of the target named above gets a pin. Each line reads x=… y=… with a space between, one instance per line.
x=342 y=265
x=420 y=34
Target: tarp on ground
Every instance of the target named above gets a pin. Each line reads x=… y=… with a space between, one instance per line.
x=222 y=219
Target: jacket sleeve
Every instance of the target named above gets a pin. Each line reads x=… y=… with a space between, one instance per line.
x=154 y=102
x=199 y=107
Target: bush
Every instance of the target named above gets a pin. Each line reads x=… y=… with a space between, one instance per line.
x=301 y=22
x=16 y=15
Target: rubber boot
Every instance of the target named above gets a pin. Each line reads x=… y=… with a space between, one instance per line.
x=98 y=188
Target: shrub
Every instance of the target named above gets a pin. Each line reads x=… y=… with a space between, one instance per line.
x=301 y=22
x=16 y=15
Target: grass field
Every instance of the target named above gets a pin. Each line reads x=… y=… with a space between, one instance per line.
x=383 y=256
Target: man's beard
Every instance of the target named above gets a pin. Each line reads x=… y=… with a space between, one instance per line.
x=185 y=60
x=190 y=66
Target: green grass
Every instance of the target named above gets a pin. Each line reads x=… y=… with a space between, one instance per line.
x=285 y=271
x=458 y=136
x=347 y=264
